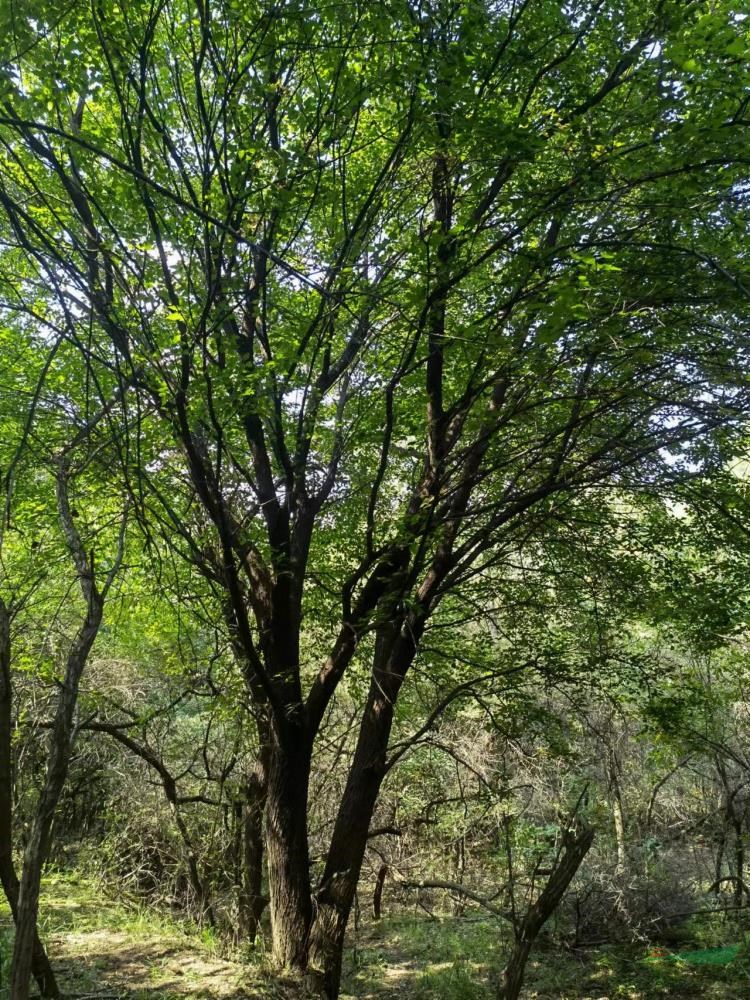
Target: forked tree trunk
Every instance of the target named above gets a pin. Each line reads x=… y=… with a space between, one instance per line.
x=576 y=846
x=40 y=965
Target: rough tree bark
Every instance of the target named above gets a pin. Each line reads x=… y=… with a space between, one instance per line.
x=287 y=845
x=251 y=808
x=394 y=650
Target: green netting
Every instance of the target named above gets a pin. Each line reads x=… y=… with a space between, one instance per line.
x=706 y=956
x=709 y=956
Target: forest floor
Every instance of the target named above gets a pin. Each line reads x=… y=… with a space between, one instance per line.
x=106 y=949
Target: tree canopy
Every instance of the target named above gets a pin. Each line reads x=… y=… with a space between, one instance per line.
x=360 y=307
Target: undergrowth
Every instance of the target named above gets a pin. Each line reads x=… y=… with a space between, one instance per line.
x=95 y=939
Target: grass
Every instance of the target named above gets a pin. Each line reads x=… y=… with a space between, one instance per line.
x=98 y=944
x=101 y=945
x=449 y=959
x=439 y=957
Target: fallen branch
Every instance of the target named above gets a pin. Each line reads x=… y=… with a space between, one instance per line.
x=460 y=890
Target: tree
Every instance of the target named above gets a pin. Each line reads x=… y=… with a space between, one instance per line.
x=576 y=842
x=47 y=496
x=94 y=591
x=20 y=579
x=368 y=296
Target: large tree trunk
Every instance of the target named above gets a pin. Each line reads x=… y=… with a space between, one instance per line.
x=40 y=965
x=286 y=843
x=576 y=846
x=336 y=893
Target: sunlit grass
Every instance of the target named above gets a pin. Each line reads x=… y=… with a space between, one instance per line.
x=453 y=959
x=95 y=938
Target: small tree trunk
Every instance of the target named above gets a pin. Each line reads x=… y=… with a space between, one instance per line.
x=40 y=965
x=619 y=821
x=60 y=746
x=739 y=863
x=38 y=844
x=41 y=968
x=251 y=899
x=618 y=813
x=576 y=844
x=719 y=864
x=198 y=884
x=459 y=869
x=26 y=915
x=377 y=896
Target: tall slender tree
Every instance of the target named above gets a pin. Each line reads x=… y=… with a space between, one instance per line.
x=40 y=476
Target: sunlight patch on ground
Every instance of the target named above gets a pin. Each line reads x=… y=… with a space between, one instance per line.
x=150 y=965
